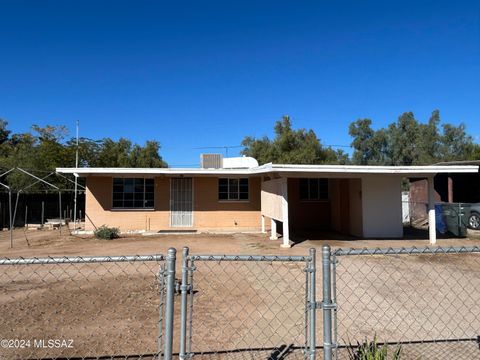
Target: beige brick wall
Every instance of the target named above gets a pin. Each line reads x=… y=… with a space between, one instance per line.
x=209 y=212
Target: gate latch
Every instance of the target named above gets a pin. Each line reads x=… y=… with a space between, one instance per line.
x=329 y=306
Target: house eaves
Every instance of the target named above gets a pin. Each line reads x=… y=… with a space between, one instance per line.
x=279 y=169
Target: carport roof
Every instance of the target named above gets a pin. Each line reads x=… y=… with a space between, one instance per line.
x=294 y=169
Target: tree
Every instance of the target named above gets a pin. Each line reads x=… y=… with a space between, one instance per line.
x=369 y=145
x=43 y=149
x=409 y=142
x=403 y=139
x=429 y=140
x=4 y=133
x=455 y=143
x=475 y=155
x=290 y=146
x=148 y=156
x=123 y=153
x=260 y=149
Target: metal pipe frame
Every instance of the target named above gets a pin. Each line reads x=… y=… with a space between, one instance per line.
x=184 y=288
x=327 y=304
x=266 y=258
x=169 y=303
x=81 y=260
x=408 y=251
x=9 y=208
x=313 y=304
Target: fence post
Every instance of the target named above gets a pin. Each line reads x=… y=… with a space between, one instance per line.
x=184 y=288
x=169 y=303
x=313 y=304
x=327 y=303
x=161 y=312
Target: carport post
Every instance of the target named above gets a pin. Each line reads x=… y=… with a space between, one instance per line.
x=273 y=229
x=169 y=303
x=286 y=226
x=263 y=224
x=432 y=231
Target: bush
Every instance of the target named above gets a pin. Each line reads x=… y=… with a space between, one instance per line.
x=372 y=351
x=107 y=233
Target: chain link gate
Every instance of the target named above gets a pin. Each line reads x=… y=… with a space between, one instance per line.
x=247 y=307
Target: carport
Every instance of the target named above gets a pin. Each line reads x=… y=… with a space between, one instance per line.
x=363 y=201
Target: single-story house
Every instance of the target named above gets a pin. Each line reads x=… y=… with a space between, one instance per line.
x=236 y=194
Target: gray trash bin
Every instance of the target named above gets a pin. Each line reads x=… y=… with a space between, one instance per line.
x=456 y=217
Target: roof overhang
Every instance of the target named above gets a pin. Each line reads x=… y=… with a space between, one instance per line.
x=279 y=169
x=405 y=171
x=84 y=172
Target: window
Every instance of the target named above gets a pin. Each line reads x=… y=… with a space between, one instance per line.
x=133 y=193
x=313 y=189
x=233 y=189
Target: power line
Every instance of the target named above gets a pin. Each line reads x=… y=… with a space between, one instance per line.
x=344 y=146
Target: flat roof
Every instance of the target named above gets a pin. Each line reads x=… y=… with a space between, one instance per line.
x=293 y=169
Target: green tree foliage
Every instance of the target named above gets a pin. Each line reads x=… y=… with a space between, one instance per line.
x=409 y=142
x=291 y=146
x=370 y=146
x=46 y=148
x=4 y=132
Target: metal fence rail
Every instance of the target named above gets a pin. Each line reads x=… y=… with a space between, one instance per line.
x=246 y=307
x=425 y=300
x=81 y=307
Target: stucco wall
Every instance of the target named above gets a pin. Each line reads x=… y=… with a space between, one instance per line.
x=271 y=199
x=382 y=206
x=209 y=212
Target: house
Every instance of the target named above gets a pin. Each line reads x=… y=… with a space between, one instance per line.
x=236 y=194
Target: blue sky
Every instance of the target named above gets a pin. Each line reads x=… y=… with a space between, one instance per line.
x=207 y=73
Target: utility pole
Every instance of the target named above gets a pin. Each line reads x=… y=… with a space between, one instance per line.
x=76 y=180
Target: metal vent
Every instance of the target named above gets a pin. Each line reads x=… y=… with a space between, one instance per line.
x=211 y=161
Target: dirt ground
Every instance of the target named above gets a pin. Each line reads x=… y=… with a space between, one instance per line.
x=241 y=310
x=51 y=243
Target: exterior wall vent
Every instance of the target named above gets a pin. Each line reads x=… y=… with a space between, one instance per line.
x=211 y=161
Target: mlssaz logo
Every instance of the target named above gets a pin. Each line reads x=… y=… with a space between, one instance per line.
x=53 y=343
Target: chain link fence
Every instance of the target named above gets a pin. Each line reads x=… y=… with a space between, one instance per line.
x=427 y=301
x=246 y=307
x=81 y=307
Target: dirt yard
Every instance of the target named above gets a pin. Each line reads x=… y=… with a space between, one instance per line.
x=241 y=310
x=51 y=243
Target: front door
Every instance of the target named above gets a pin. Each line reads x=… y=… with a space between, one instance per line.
x=181 y=202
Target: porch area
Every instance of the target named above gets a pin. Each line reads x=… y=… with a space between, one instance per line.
x=305 y=206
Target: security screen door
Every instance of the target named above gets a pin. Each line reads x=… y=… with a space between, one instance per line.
x=181 y=202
